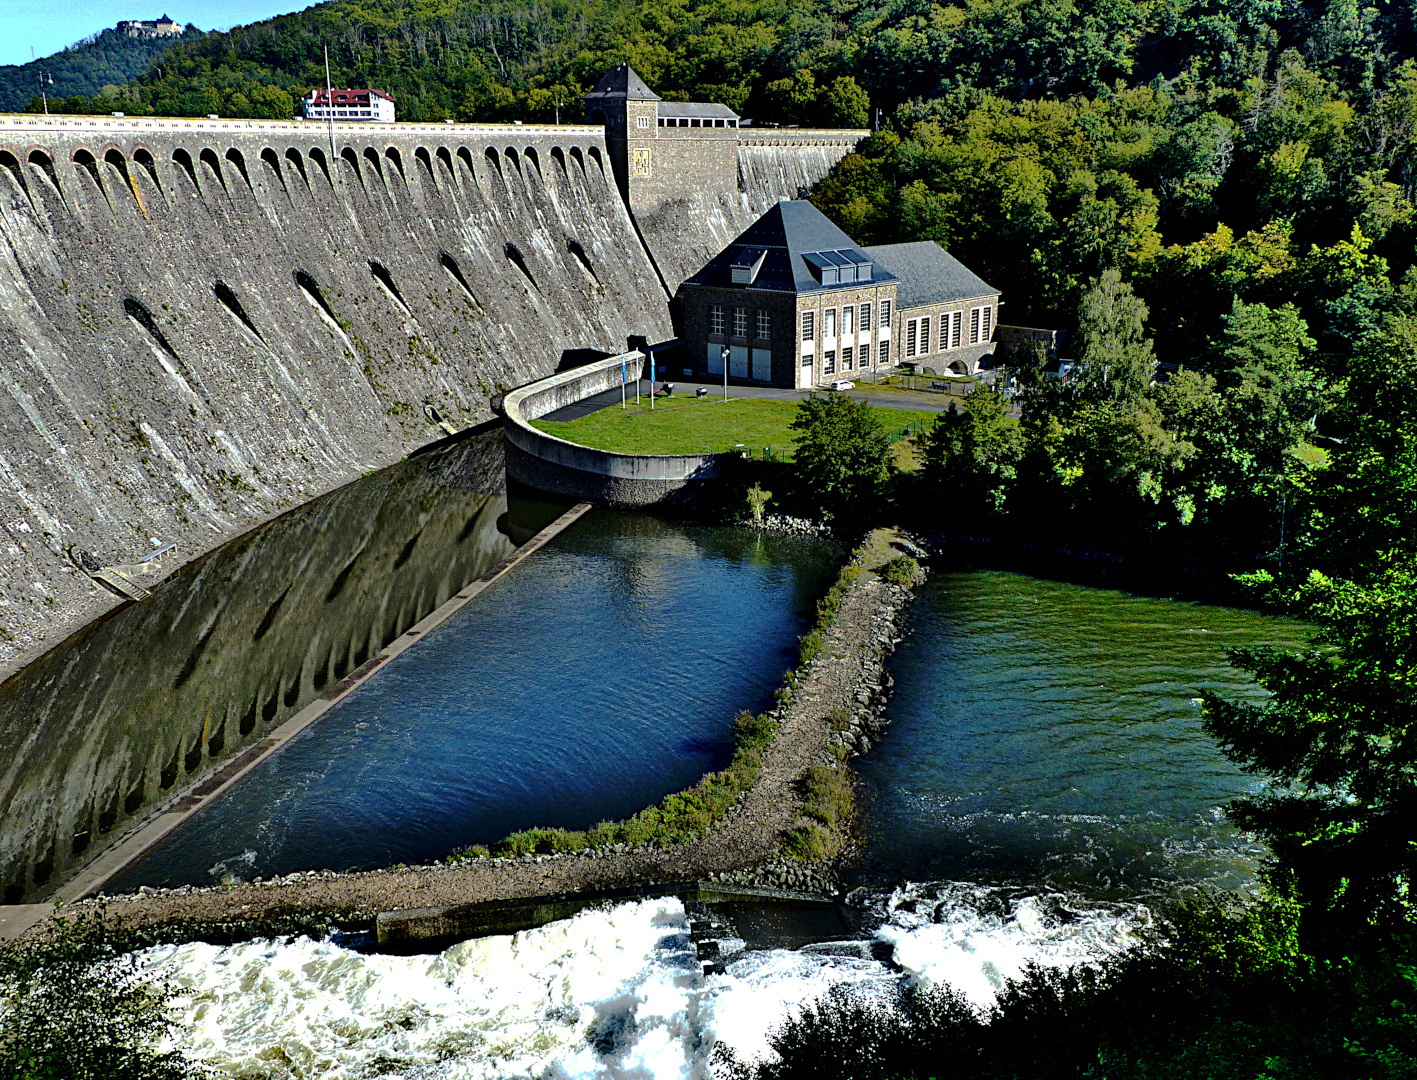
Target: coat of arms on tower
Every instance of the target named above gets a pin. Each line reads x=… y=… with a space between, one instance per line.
x=639 y=162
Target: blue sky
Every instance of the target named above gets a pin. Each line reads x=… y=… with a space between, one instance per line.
x=50 y=25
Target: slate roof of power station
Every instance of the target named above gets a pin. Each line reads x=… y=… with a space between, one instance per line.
x=928 y=274
x=793 y=247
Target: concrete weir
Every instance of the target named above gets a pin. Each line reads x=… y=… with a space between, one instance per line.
x=570 y=470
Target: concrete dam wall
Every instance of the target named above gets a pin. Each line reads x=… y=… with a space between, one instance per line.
x=204 y=323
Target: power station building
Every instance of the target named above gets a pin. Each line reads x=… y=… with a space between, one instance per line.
x=799 y=304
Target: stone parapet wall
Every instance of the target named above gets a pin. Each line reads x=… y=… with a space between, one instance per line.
x=564 y=468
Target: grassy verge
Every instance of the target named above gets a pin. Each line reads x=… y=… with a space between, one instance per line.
x=687 y=814
x=692 y=426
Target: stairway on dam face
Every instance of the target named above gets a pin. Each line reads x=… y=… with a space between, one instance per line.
x=203 y=324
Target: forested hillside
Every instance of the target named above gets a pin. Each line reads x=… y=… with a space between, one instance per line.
x=98 y=65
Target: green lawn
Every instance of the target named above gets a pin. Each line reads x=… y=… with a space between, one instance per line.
x=694 y=427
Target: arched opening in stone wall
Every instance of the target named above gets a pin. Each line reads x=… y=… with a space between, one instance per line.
x=597 y=118
x=450 y=265
x=422 y=156
x=392 y=153
x=447 y=159
x=386 y=282
x=594 y=153
x=372 y=156
x=85 y=162
x=184 y=160
x=235 y=156
x=318 y=157
x=311 y=288
x=511 y=153
x=465 y=156
x=45 y=164
x=272 y=160
x=233 y=306
x=292 y=155
x=494 y=160
x=517 y=259
x=142 y=318
x=559 y=156
x=574 y=247
x=144 y=157
x=210 y=160
x=351 y=159
x=578 y=158
x=11 y=164
x=532 y=156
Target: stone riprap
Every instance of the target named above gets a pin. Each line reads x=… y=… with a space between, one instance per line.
x=203 y=323
x=564 y=468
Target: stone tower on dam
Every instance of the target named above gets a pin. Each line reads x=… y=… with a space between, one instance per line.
x=203 y=323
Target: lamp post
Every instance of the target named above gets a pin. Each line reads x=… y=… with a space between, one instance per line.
x=725 y=353
x=44 y=80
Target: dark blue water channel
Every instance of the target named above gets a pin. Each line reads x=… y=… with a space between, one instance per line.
x=593 y=679
x=1049 y=734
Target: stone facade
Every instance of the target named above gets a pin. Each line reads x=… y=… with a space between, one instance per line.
x=946 y=338
x=784 y=324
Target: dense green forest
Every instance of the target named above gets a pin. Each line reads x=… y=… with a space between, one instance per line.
x=95 y=67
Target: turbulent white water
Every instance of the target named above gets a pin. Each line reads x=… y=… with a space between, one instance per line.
x=616 y=993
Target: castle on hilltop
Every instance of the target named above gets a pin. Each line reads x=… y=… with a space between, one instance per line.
x=150 y=28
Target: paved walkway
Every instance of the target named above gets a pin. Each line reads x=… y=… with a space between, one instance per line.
x=918 y=401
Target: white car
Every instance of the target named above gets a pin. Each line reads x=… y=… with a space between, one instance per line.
x=843 y=384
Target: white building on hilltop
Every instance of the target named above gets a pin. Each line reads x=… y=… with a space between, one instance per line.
x=150 y=28
x=369 y=106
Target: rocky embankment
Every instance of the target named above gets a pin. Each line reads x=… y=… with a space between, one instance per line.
x=832 y=710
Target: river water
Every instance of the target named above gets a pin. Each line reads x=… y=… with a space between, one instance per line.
x=590 y=681
x=1043 y=782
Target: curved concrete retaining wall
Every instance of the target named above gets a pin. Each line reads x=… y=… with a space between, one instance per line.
x=565 y=468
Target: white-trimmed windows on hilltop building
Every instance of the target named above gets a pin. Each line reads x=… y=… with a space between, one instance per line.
x=642 y=123
x=988 y=321
x=716 y=319
x=865 y=319
x=740 y=322
x=764 y=327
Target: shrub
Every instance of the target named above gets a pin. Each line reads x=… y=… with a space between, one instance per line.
x=808 y=841
x=75 y=1006
x=829 y=795
x=902 y=570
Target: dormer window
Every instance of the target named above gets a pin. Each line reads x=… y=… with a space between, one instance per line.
x=745 y=265
x=838 y=267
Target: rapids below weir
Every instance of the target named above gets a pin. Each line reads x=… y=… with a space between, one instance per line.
x=1044 y=782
